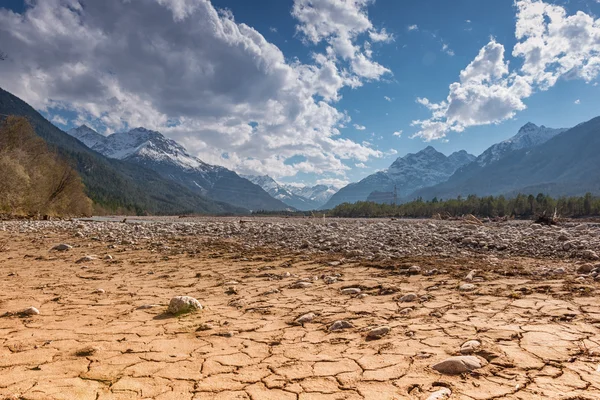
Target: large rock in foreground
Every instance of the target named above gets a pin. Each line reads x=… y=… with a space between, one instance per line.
x=183 y=304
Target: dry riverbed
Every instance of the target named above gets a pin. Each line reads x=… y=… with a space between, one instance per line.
x=299 y=309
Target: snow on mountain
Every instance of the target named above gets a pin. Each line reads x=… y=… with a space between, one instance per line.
x=171 y=160
x=530 y=135
x=301 y=197
x=318 y=193
x=87 y=136
x=414 y=171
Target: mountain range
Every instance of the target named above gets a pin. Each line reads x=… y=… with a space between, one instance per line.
x=141 y=171
x=303 y=198
x=562 y=163
x=170 y=160
x=407 y=174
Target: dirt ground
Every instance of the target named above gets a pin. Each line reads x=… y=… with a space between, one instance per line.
x=540 y=337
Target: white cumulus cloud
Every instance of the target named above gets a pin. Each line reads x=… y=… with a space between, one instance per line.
x=193 y=72
x=551 y=44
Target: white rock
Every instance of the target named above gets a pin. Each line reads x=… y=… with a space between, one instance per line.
x=457 y=365
x=304 y=319
x=408 y=298
x=470 y=275
x=182 y=304
x=340 y=325
x=351 y=291
x=467 y=287
x=30 y=311
x=62 y=247
x=99 y=291
x=378 y=333
x=147 y=306
x=442 y=394
x=470 y=346
x=85 y=259
x=300 y=285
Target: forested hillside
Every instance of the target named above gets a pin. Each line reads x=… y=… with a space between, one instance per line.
x=114 y=186
x=35 y=181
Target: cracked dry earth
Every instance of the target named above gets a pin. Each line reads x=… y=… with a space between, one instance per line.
x=539 y=336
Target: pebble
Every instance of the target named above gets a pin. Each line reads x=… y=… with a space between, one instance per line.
x=30 y=311
x=408 y=298
x=470 y=347
x=182 y=304
x=62 y=247
x=470 y=275
x=442 y=394
x=340 y=325
x=467 y=287
x=304 y=319
x=414 y=270
x=99 y=291
x=457 y=365
x=85 y=259
x=378 y=333
x=147 y=306
x=351 y=291
x=204 y=327
x=300 y=285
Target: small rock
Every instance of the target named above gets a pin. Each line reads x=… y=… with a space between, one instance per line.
x=147 y=306
x=414 y=270
x=590 y=254
x=30 y=311
x=85 y=259
x=182 y=304
x=470 y=275
x=362 y=296
x=204 y=327
x=378 y=333
x=230 y=283
x=99 y=291
x=340 y=325
x=470 y=347
x=585 y=269
x=300 y=285
x=408 y=298
x=62 y=247
x=406 y=311
x=351 y=291
x=304 y=319
x=442 y=394
x=457 y=365
x=108 y=257
x=467 y=287
x=87 y=351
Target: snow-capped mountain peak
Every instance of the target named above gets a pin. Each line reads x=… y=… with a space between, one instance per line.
x=530 y=135
x=87 y=135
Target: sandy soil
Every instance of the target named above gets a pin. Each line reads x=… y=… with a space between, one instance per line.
x=540 y=336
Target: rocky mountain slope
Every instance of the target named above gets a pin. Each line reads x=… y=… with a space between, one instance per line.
x=153 y=150
x=566 y=164
x=115 y=185
x=409 y=173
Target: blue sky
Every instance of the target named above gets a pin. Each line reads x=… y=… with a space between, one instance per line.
x=425 y=47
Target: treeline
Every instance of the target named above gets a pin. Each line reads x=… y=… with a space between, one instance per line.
x=521 y=206
x=35 y=181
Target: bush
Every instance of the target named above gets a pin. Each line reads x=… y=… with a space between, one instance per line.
x=35 y=181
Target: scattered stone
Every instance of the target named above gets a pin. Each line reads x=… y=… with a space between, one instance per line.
x=108 y=257
x=85 y=259
x=414 y=270
x=457 y=365
x=585 y=269
x=183 y=304
x=362 y=296
x=442 y=394
x=351 y=291
x=204 y=327
x=467 y=287
x=147 y=306
x=406 y=311
x=62 y=247
x=340 y=325
x=87 y=351
x=470 y=275
x=300 y=285
x=470 y=347
x=99 y=291
x=30 y=311
x=378 y=333
x=408 y=298
x=304 y=319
